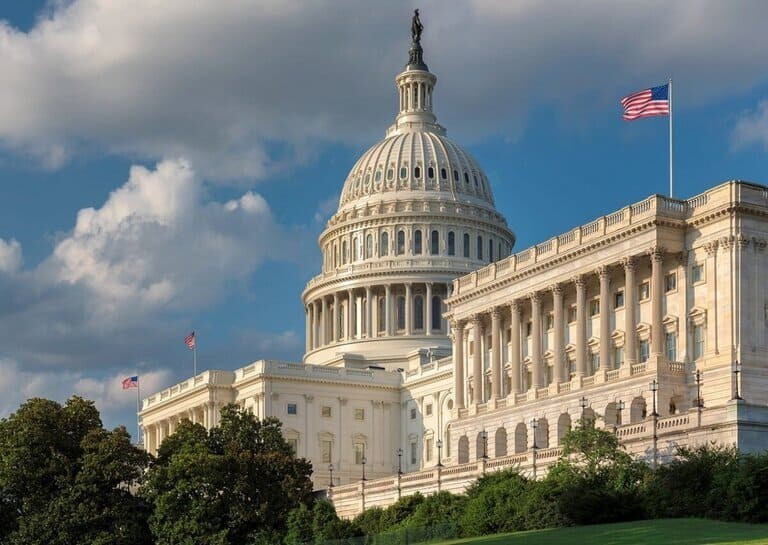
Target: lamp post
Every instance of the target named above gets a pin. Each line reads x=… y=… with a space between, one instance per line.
x=654 y=387
x=534 y=427
x=699 y=401
x=619 y=407
x=330 y=471
x=399 y=453
x=736 y=371
x=583 y=403
x=363 y=461
x=484 y=437
x=439 y=452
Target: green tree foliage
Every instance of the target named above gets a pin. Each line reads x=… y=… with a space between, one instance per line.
x=438 y=509
x=65 y=480
x=370 y=521
x=399 y=511
x=299 y=526
x=233 y=485
x=326 y=525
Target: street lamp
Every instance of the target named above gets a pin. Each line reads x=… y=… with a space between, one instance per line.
x=484 y=436
x=736 y=371
x=619 y=407
x=330 y=471
x=534 y=426
x=699 y=402
x=363 y=461
x=439 y=452
x=654 y=387
x=583 y=403
x=399 y=453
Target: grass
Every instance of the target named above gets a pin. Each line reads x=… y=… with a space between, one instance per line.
x=652 y=532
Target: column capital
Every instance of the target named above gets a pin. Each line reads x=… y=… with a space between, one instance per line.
x=476 y=319
x=629 y=263
x=603 y=271
x=657 y=254
x=557 y=288
x=711 y=248
x=458 y=324
x=496 y=313
x=579 y=280
x=514 y=305
x=682 y=257
x=534 y=296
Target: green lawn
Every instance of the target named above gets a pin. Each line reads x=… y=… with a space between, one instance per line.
x=651 y=532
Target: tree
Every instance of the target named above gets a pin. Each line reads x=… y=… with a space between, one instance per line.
x=65 y=479
x=299 y=524
x=235 y=484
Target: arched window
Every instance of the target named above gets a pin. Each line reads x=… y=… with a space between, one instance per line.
x=418 y=312
x=430 y=173
x=369 y=246
x=451 y=243
x=400 y=242
x=390 y=174
x=335 y=255
x=417 y=242
x=466 y=245
x=466 y=178
x=443 y=173
x=490 y=249
x=355 y=250
x=344 y=253
x=417 y=172
x=403 y=173
x=479 y=247
x=436 y=312
x=435 y=243
x=455 y=175
x=401 y=312
x=384 y=245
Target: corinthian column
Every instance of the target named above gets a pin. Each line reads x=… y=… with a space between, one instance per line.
x=428 y=308
x=605 y=317
x=657 y=300
x=495 y=354
x=408 y=309
x=630 y=297
x=350 y=314
x=458 y=363
x=558 y=344
x=514 y=349
x=315 y=327
x=335 y=326
x=581 y=325
x=388 y=310
x=477 y=362
x=536 y=359
x=324 y=322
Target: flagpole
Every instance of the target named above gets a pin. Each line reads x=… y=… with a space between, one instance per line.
x=138 y=409
x=194 y=358
x=671 y=186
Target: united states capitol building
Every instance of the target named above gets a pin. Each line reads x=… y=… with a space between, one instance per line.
x=435 y=354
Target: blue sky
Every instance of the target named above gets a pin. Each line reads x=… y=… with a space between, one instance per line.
x=169 y=167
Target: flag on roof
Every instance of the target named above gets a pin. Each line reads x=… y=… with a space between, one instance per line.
x=189 y=340
x=646 y=103
x=130 y=382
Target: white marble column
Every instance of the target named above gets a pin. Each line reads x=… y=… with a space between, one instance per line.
x=581 y=325
x=477 y=361
x=495 y=354
x=604 y=273
x=408 y=309
x=657 y=301
x=388 y=310
x=315 y=320
x=630 y=298
x=308 y=329
x=335 y=327
x=324 y=322
x=428 y=305
x=350 y=315
x=514 y=348
x=558 y=344
x=537 y=362
x=370 y=333
x=458 y=363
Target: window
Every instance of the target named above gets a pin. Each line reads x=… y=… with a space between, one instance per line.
x=293 y=443
x=377 y=176
x=326 y=412
x=359 y=414
x=594 y=361
x=414 y=453
x=325 y=451
x=697 y=273
x=670 y=282
x=428 y=453
x=528 y=329
x=418 y=312
x=434 y=243
x=698 y=341
x=618 y=299
x=417 y=172
x=369 y=246
x=451 y=243
x=403 y=173
x=413 y=413
x=479 y=247
x=436 y=311
x=390 y=174
x=455 y=175
x=644 y=350
x=490 y=249
x=428 y=409
x=466 y=245
x=430 y=173
x=355 y=249
x=671 y=346
x=550 y=321
x=443 y=173
x=359 y=452
x=572 y=314
x=292 y=409
x=618 y=357
x=466 y=178
x=417 y=242
x=594 y=307
x=384 y=245
x=344 y=252
x=645 y=291
x=400 y=242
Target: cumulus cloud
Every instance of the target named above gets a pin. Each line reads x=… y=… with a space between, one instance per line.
x=752 y=127
x=10 y=256
x=246 y=89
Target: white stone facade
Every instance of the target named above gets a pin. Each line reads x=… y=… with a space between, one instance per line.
x=433 y=351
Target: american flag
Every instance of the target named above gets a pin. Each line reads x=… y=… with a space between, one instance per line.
x=646 y=103
x=189 y=340
x=130 y=382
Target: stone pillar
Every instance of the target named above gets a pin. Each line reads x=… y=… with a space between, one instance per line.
x=388 y=310
x=335 y=317
x=458 y=363
x=604 y=274
x=324 y=322
x=369 y=313
x=315 y=321
x=514 y=348
x=350 y=314
x=558 y=344
x=495 y=354
x=657 y=301
x=630 y=298
x=408 y=309
x=428 y=306
x=308 y=330
x=581 y=325
x=537 y=361
x=477 y=361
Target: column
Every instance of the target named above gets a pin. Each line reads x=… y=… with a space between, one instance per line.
x=388 y=310
x=657 y=301
x=315 y=341
x=369 y=313
x=495 y=354
x=558 y=348
x=477 y=362
x=408 y=309
x=581 y=325
x=458 y=363
x=536 y=360
x=604 y=274
x=428 y=305
x=324 y=322
x=335 y=317
x=630 y=298
x=308 y=330
x=514 y=349
x=350 y=314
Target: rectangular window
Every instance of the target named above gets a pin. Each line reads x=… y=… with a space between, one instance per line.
x=594 y=307
x=292 y=409
x=618 y=357
x=294 y=444
x=698 y=341
x=428 y=409
x=428 y=453
x=413 y=414
x=594 y=361
x=618 y=299
x=528 y=329
x=670 y=282
x=326 y=412
x=644 y=350
x=697 y=273
x=645 y=291
x=414 y=453
x=572 y=314
x=571 y=365
x=549 y=374
x=359 y=452
x=671 y=345
x=359 y=414
x=325 y=451
x=550 y=321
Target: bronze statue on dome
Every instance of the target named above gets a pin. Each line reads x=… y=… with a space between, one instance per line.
x=416 y=27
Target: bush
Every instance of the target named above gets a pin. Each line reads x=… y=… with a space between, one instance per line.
x=496 y=503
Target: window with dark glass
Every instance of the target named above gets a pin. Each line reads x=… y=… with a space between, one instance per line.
x=400 y=242
x=436 y=311
x=418 y=312
x=435 y=243
x=384 y=245
x=417 y=242
x=417 y=172
x=479 y=247
x=451 y=243
x=466 y=245
x=430 y=173
x=401 y=312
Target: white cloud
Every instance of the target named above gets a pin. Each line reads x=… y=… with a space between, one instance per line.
x=752 y=127
x=245 y=89
x=10 y=256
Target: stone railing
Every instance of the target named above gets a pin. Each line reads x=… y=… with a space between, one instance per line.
x=206 y=378
x=277 y=368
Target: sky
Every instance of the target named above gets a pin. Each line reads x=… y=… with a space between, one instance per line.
x=168 y=166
